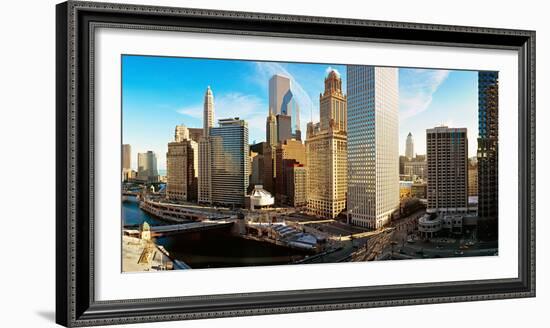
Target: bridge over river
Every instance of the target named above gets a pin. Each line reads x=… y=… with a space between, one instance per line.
x=164 y=230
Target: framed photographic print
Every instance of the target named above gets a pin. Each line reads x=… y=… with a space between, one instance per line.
x=214 y=163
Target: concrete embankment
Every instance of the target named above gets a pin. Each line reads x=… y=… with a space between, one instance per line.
x=140 y=255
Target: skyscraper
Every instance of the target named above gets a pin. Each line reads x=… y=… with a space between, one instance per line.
x=296 y=181
x=409 y=147
x=256 y=169
x=487 y=145
x=288 y=152
x=126 y=161
x=279 y=86
x=126 y=157
x=271 y=130
x=373 y=150
x=230 y=168
x=147 y=167
x=208 y=114
x=205 y=160
x=282 y=101
x=447 y=156
x=269 y=168
x=332 y=104
x=178 y=159
x=205 y=178
x=182 y=166
x=326 y=146
x=284 y=128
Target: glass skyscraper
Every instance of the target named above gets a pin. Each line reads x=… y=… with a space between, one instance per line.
x=283 y=102
x=230 y=166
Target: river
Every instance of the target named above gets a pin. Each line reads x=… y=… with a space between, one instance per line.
x=212 y=248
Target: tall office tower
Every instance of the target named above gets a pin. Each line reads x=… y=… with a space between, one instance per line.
x=279 y=86
x=333 y=104
x=182 y=166
x=284 y=128
x=447 y=156
x=472 y=176
x=147 y=167
x=268 y=180
x=258 y=164
x=409 y=147
x=271 y=129
x=287 y=153
x=126 y=161
x=126 y=157
x=208 y=114
x=373 y=149
x=256 y=168
x=230 y=163
x=205 y=151
x=252 y=179
x=296 y=181
x=282 y=101
x=205 y=177
x=193 y=172
x=326 y=147
x=177 y=167
x=269 y=153
x=487 y=145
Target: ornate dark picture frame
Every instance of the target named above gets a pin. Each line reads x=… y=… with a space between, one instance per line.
x=75 y=301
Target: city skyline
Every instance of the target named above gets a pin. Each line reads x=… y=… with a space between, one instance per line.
x=344 y=193
x=161 y=92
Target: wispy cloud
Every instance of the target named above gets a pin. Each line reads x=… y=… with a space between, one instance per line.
x=194 y=111
x=235 y=104
x=416 y=95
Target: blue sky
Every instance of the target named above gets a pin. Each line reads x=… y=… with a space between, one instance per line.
x=159 y=93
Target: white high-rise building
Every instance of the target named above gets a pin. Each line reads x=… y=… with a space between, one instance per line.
x=409 y=147
x=205 y=155
x=373 y=149
x=208 y=114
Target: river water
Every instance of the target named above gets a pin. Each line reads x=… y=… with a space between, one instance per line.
x=212 y=248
